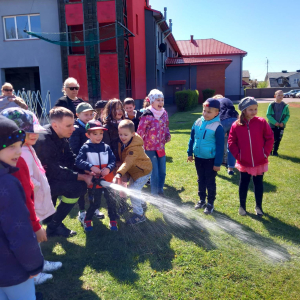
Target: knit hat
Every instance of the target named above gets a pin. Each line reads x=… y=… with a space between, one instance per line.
x=93 y=125
x=25 y=119
x=100 y=104
x=154 y=94
x=212 y=103
x=9 y=133
x=83 y=106
x=246 y=102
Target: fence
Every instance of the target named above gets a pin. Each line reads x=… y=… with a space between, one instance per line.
x=37 y=104
x=265 y=92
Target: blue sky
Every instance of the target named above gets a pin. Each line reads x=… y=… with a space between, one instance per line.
x=263 y=28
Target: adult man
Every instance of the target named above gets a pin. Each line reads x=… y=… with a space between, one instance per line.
x=58 y=160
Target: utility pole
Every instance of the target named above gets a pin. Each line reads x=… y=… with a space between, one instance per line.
x=267 y=65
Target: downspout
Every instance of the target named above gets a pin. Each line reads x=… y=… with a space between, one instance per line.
x=190 y=77
x=240 y=85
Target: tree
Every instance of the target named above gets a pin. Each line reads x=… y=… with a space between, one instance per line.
x=262 y=84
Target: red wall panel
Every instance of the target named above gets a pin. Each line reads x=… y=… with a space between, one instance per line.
x=106 y=11
x=136 y=24
x=77 y=69
x=74 y=14
x=109 y=76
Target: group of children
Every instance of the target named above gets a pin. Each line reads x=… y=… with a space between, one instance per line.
x=251 y=140
x=116 y=143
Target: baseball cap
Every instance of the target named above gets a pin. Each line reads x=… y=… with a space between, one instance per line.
x=212 y=103
x=100 y=104
x=94 y=125
x=83 y=106
x=25 y=119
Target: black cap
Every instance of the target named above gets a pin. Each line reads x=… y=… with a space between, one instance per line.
x=94 y=125
x=10 y=133
x=100 y=104
x=213 y=103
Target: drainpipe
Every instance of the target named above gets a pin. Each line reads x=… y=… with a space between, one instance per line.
x=240 y=85
x=190 y=77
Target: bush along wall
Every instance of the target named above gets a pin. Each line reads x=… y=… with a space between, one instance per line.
x=186 y=99
x=207 y=93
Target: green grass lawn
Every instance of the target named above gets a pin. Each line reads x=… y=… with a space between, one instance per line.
x=160 y=259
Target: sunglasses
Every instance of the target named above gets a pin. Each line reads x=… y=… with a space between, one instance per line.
x=73 y=88
x=7 y=90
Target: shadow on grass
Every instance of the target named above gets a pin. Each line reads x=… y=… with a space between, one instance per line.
x=291 y=158
x=235 y=179
x=267 y=246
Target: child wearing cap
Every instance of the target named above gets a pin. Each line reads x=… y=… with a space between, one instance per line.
x=278 y=114
x=131 y=113
x=207 y=145
x=97 y=158
x=250 y=141
x=154 y=130
x=137 y=164
x=21 y=258
x=99 y=108
x=32 y=176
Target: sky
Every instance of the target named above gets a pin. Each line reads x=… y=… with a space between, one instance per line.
x=263 y=28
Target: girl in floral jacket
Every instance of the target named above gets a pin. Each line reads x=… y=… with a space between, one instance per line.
x=154 y=130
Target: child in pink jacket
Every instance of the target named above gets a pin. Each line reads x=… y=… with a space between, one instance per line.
x=250 y=141
x=154 y=130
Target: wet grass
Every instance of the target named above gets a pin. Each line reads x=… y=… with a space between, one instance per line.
x=156 y=260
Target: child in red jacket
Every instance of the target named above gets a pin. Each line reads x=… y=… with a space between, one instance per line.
x=250 y=142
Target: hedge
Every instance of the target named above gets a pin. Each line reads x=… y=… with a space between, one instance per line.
x=207 y=93
x=186 y=99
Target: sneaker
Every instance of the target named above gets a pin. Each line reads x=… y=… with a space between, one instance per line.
x=135 y=219
x=81 y=216
x=61 y=230
x=41 y=278
x=50 y=266
x=208 y=209
x=259 y=211
x=242 y=211
x=144 y=205
x=113 y=225
x=200 y=204
x=87 y=225
x=275 y=154
x=98 y=214
x=230 y=173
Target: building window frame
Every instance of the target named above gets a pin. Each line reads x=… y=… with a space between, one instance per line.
x=296 y=80
x=280 y=80
x=16 y=28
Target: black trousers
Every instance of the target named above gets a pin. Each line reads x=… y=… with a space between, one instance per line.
x=258 y=188
x=68 y=189
x=111 y=204
x=206 y=179
x=278 y=133
x=81 y=203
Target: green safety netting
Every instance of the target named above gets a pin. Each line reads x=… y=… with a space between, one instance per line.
x=83 y=38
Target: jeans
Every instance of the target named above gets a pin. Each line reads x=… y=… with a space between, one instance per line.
x=226 y=126
x=158 y=175
x=111 y=204
x=206 y=179
x=22 y=291
x=278 y=133
x=137 y=200
x=258 y=189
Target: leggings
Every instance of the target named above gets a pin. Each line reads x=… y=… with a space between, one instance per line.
x=258 y=188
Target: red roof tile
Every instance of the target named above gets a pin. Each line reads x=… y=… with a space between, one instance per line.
x=175 y=61
x=207 y=47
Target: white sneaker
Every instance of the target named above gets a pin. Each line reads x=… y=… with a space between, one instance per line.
x=81 y=217
x=98 y=214
x=50 y=266
x=41 y=278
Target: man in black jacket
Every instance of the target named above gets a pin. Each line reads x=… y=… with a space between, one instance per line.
x=58 y=160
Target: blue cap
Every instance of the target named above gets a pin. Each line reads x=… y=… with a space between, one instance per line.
x=212 y=103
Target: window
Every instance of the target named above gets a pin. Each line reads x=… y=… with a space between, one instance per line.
x=296 y=80
x=280 y=80
x=14 y=26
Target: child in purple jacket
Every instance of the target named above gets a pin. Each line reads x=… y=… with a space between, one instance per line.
x=154 y=130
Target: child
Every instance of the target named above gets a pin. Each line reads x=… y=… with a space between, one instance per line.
x=136 y=163
x=154 y=130
x=250 y=142
x=146 y=104
x=99 y=107
x=97 y=157
x=278 y=114
x=21 y=258
x=32 y=176
x=207 y=145
x=131 y=113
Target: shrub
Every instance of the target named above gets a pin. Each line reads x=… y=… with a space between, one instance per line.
x=186 y=99
x=207 y=93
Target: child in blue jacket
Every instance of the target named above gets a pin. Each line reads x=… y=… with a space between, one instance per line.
x=21 y=258
x=207 y=145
